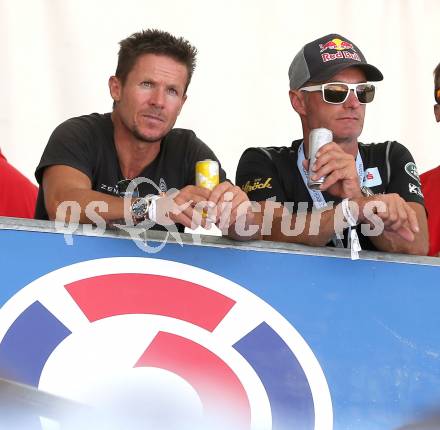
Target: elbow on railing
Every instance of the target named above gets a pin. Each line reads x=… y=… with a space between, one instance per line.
x=65 y=211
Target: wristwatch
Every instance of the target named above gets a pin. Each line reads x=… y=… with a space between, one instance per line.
x=366 y=192
x=139 y=209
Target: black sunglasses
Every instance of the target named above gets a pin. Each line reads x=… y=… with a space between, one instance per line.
x=122 y=189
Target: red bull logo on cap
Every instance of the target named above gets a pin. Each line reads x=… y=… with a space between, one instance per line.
x=337 y=44
x=341 y=47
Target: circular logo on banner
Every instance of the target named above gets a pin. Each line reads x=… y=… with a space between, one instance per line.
x=165 y=345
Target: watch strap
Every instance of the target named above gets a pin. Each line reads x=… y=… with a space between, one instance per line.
x=366 y=192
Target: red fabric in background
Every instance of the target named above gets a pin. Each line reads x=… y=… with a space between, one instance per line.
x=17 y=194
x=431 y=191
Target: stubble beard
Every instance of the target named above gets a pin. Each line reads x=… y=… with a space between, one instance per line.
x=138 y=135
x=135 y=130
x=351 y=138
x=147 y=139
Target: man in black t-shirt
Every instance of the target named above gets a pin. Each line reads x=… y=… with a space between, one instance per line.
x=89 y=160
x=371 y=193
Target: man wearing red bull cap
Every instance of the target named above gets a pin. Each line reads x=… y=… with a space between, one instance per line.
x=431 y=183
x=371 y=194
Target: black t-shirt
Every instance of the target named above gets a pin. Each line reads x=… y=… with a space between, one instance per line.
x=272 y=172
x=86 y=143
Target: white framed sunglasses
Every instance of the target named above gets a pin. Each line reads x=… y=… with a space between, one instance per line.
x=337 y=92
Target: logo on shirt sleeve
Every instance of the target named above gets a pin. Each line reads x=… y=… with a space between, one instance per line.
x=257 y=184
x=414 y=189
x=411 y=169
x=372 y=177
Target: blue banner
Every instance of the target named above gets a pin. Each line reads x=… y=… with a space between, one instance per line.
x=280 y=340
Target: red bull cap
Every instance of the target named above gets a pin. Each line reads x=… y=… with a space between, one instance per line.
x=321 y=59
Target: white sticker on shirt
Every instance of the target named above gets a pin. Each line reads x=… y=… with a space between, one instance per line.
x=372 y=177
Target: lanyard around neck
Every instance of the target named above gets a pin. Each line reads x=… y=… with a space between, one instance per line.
x=316 y=195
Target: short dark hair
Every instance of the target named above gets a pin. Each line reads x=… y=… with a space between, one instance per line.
x=153 y=41
x=437 y=76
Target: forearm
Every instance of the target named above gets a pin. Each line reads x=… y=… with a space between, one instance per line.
x=68 y=196
x=406 y=233
x=314 y=228
x=398 y=245
x=247 y=227
x=84 y=206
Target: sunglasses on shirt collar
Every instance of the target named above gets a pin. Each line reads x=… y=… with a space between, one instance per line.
x=337 y=92
x=122 y=189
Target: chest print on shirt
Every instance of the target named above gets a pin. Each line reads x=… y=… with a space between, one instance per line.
x=108 y=189
x=257 y=184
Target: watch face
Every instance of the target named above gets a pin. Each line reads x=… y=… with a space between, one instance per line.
x=139 y=208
